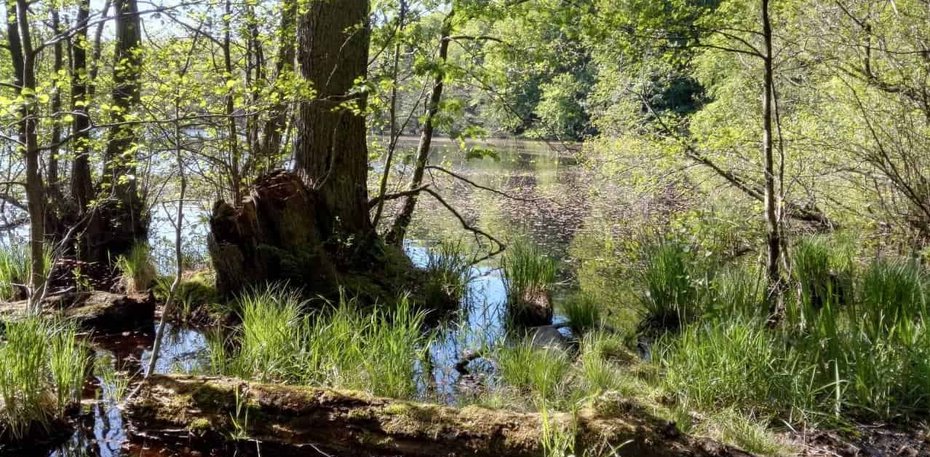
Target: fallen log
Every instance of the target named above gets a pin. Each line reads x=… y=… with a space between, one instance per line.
x=205 y=412
x=94 y=310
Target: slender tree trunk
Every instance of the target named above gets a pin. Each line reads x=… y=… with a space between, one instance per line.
x=235 y=175
x=273 y=129
x=402 y=221
x=773 y=229
x=82 y=188
x=389 y=160
x=331 y=145
x=53 y=181
x=22 y=54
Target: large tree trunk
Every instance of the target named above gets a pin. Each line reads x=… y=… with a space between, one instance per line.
x=121 y=220
x=331 y=146
x=311 y=228
x=402 y=220
x=204 y=412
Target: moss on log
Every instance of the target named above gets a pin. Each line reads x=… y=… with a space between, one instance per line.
x=95 y=310
x=204 y=411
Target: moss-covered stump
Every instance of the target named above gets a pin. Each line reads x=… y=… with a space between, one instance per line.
x=210 y=410
x=93 y=311
x=532 y=308
x=282 y=232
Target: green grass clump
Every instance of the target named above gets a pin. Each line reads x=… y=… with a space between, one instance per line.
x=15 y=269
x=341 y=346
x=736 y=363
x=737 y=292
x=448 y=272
x=823 y=275
x=527 y=270
x=855 y=343
x=41 y=374
x=14 y=272
x=744 y=432
x=540 y=372
x=193 y=294
x=892 y=292
x=137 y=268
x=670 y=292
x=583 y=313
x=529 y=276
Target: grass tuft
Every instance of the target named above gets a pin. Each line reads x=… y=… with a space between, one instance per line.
x=341 y=346
x=529 y=276
x=137 y=268
x=41 y=374
x=583 y=313
x=670 y=292
x=449 y=272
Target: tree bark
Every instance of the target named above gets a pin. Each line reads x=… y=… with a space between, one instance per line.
x=272 y=130
x=82 y=188
x=204 y=412
x=402 y=220
x=23 y=57
x=772 y=222
x=331 y=145
x=123 y=213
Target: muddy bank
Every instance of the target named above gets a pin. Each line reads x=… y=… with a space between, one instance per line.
x=94 y=310
x=203 y=412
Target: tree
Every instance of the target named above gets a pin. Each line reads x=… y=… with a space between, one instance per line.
x=331 y=148
x=122 y=221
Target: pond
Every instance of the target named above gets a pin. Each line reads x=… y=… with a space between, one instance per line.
x=538 y=193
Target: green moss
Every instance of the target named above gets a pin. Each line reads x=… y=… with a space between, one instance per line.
x=200 y=425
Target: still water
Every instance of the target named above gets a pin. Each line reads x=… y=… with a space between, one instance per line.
x=544 y=200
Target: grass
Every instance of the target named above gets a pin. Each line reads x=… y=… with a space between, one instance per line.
x=855 y=343
x=137 y=268
x=15 y=268
x=529 y=275
x=449 y=272
x=670 y=286
x=541 y=373
x=583 y=313
x=339 y=345
x=41 y=375
x=822 y=275
x=194 y=293
x=114 y=385
x=736 y=292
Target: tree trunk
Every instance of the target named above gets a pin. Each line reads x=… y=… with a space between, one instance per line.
x=772 y=222
x=402 y=220
x=395 y=134
x=22 y=55
x=82 y=189
x=123 y=214
x=272 y=130
x=331 y=145
x=204 y=412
